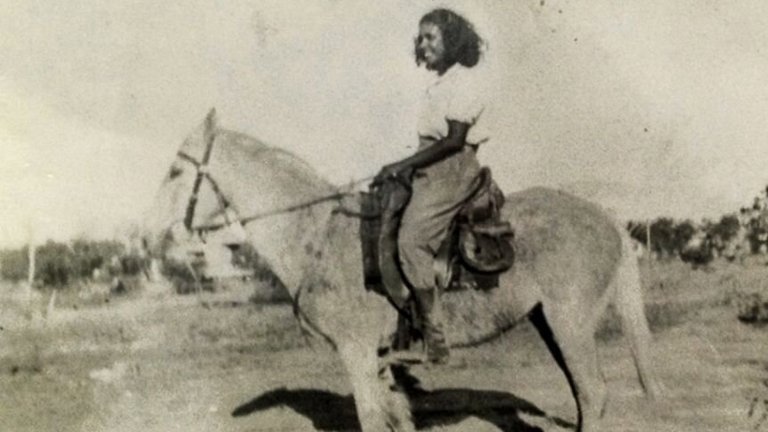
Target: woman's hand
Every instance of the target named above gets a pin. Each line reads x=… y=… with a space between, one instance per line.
x=394 y=171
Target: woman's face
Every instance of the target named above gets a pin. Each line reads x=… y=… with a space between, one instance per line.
x=430 y=42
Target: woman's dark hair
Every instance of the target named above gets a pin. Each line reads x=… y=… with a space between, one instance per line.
x=462 y=43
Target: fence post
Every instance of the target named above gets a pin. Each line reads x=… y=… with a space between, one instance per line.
x=31 y=312
x=648 y=239
x=30 y=269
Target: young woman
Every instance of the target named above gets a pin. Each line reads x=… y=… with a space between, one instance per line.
x=444 y=170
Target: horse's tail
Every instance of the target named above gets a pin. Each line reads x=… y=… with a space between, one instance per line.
x=630 y=308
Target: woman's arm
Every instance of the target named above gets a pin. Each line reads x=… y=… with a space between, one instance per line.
x=439 y=150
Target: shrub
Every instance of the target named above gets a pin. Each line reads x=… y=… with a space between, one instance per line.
x=683 y=232
x=54 y=264
x=58 y=264
x=663 y=236
x=244 y=256
x=132 y=264
x=91 y=255
x=14 y=264
x=727 y=228
x=180 y=275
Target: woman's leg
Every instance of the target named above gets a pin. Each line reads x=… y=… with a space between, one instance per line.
x=424 y=225
x=438 y=195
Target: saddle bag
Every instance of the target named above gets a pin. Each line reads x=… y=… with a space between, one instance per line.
x=484 y=239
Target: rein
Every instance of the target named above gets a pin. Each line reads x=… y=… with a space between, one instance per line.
x=266 y=214
x=202 y=173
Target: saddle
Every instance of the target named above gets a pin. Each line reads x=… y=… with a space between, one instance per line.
x=476 y=250
x=478 y=247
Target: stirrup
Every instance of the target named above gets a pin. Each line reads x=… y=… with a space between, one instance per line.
x=393 y=358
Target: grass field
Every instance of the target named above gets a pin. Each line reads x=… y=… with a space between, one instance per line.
x=154 y=361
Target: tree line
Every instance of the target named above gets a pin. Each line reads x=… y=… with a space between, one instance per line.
x=742 y=232
x=58 y=264
x=671 y=238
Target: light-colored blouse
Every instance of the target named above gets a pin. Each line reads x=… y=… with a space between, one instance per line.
x=455 y=95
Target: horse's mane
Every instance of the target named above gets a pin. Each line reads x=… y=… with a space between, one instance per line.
x=251 y=154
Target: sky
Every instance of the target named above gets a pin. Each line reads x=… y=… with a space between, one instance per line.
x=648 y=107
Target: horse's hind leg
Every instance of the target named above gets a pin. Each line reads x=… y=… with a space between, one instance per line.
x=631 y=310
x=575 y=351
x=379 y=408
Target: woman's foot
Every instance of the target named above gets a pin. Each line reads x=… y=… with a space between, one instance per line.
x=435 y=344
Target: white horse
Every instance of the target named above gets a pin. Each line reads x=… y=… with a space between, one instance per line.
x=572 y=260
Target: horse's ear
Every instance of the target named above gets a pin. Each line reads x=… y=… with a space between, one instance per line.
x=210 y=121
x=209 y=126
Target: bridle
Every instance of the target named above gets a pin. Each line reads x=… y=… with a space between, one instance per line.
x=202 y=173
x=201 y=167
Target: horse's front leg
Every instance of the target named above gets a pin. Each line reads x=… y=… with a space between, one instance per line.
x=379 y=407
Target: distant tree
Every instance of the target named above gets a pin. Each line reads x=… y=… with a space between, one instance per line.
x=668 y=237
x=638 y=231
x=663 y=236
x=726 y=229
x=54 y=264
x=89 y=255
x=58 y=264
x=683 y=232
x=14 y=264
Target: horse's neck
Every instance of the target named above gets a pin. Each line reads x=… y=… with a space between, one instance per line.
x=286 y=239
x=288 y=242
x=292 y=242
x=313 y=245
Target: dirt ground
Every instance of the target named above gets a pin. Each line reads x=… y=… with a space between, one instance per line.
x=157 y=362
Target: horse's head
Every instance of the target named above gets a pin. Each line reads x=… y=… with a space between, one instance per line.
x=184 y=197
x=220 y=175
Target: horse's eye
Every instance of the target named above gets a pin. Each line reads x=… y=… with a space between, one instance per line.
x=175 y=172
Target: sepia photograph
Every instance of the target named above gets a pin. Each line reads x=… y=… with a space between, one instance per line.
x=394 y=216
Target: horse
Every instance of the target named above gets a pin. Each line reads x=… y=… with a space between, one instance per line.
x=572 y=261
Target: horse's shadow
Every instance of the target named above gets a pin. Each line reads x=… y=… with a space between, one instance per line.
x=332 y=412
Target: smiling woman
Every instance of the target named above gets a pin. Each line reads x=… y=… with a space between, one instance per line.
x=444 y=173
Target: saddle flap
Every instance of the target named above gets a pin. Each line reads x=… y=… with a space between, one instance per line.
x=370 y=229
x=379 y=241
